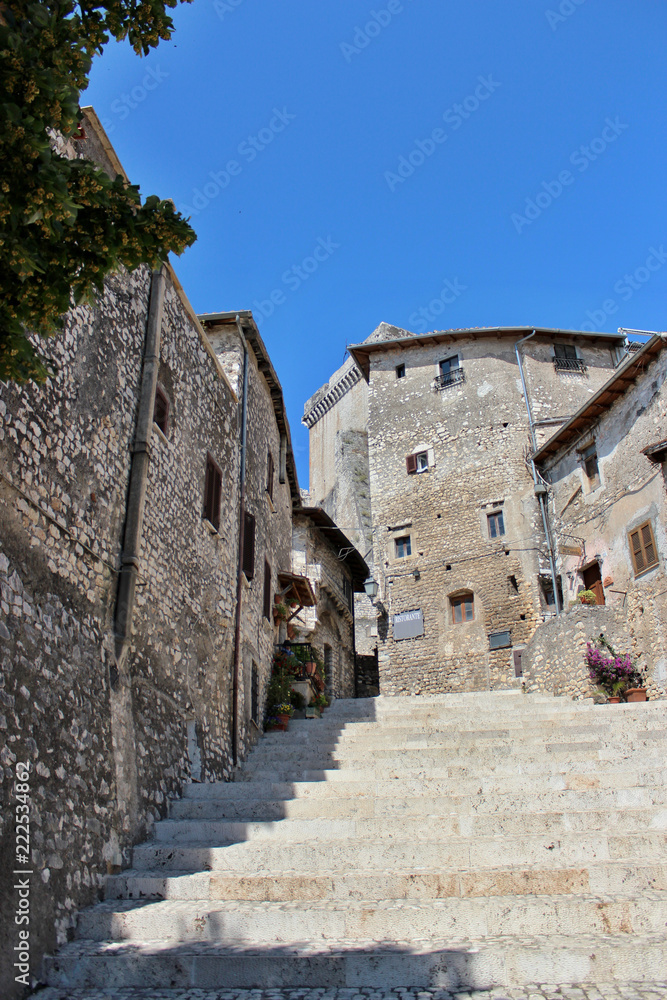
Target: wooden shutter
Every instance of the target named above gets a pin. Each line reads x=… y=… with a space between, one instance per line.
x=643 y=548
x=248 y=566
x=212 y=492
x=267 y=590
x=411 y=463
x=269 y=475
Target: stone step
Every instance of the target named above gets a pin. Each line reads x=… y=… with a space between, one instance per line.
x=270 y=923
x=493 y=783
x=455 y=963
x=434 y=765
x=368 y=818
x=334 y=855
x=603 y=878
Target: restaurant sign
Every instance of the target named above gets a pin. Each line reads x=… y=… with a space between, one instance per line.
x=408 y=624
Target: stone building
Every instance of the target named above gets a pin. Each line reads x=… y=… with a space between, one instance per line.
x=606 y=470
x=336 y=571
x=146 y=497
x=465 y=567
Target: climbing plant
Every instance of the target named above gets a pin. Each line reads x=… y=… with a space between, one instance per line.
x=64 y=223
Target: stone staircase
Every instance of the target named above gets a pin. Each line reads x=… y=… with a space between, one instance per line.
x=457 y=841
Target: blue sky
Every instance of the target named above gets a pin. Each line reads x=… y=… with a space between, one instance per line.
x=436 y=164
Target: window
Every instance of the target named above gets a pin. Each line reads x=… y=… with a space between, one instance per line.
x=449 y=365
x=643 y=548
x=403 y=547
x=589 y=459
x=450 y=372
x=496 y=523
x=400 y=371
x=547 y=587
x=267 y=590
x=212 y=492
x=269 y=475
x=248 y=564
x=161 y=410
x=347 y=592
x=565 y=359
x=417 y=462
x=463 y=607
x=499 y=640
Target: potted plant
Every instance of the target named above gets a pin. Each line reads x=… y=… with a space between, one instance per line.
x=614 y=673
x=586 y=597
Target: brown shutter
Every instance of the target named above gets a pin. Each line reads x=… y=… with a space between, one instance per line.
x=267 y=590
x=637 y=554
x=411 y=463
x=248 y=545
x=269 y=475
x=648 y=544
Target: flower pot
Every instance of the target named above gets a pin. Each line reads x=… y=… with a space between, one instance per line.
x=284 y=720
x=614 y=700
x=636 y=694
x=311 y=667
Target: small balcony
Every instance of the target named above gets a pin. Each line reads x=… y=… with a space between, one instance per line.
x=569 y=365
x=453 y=377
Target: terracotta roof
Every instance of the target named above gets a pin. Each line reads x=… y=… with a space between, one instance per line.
x=297 y=588
x=613 y=389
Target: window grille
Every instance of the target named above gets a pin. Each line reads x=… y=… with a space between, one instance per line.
x=451 y=373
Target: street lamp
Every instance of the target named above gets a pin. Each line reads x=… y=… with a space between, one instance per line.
x=371 y=588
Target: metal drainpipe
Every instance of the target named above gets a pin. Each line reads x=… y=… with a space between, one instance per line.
x=540 y=489
x=136 y=497
x=239 y=573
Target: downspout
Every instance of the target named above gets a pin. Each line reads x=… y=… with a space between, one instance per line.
x=539 y=487
x=239 y=572
x=136 y=498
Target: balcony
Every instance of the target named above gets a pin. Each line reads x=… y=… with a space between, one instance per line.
x=569 y=365
x=453 y=377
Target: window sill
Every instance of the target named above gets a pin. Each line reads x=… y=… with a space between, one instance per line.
x=211 y=527
x=272 y=506
x=645 y=572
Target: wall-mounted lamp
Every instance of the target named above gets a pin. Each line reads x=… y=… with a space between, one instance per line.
x=371 y=588
x=416 y=574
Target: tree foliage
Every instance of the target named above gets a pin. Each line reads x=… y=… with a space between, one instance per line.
x=64 y=223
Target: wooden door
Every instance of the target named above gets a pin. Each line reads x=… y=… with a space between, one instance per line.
x=593 y=581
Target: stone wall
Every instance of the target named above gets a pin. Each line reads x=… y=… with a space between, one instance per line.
x=554 y=659
x=110 y=742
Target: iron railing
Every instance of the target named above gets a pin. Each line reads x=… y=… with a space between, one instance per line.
x=453 y=377
x=569 y=365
